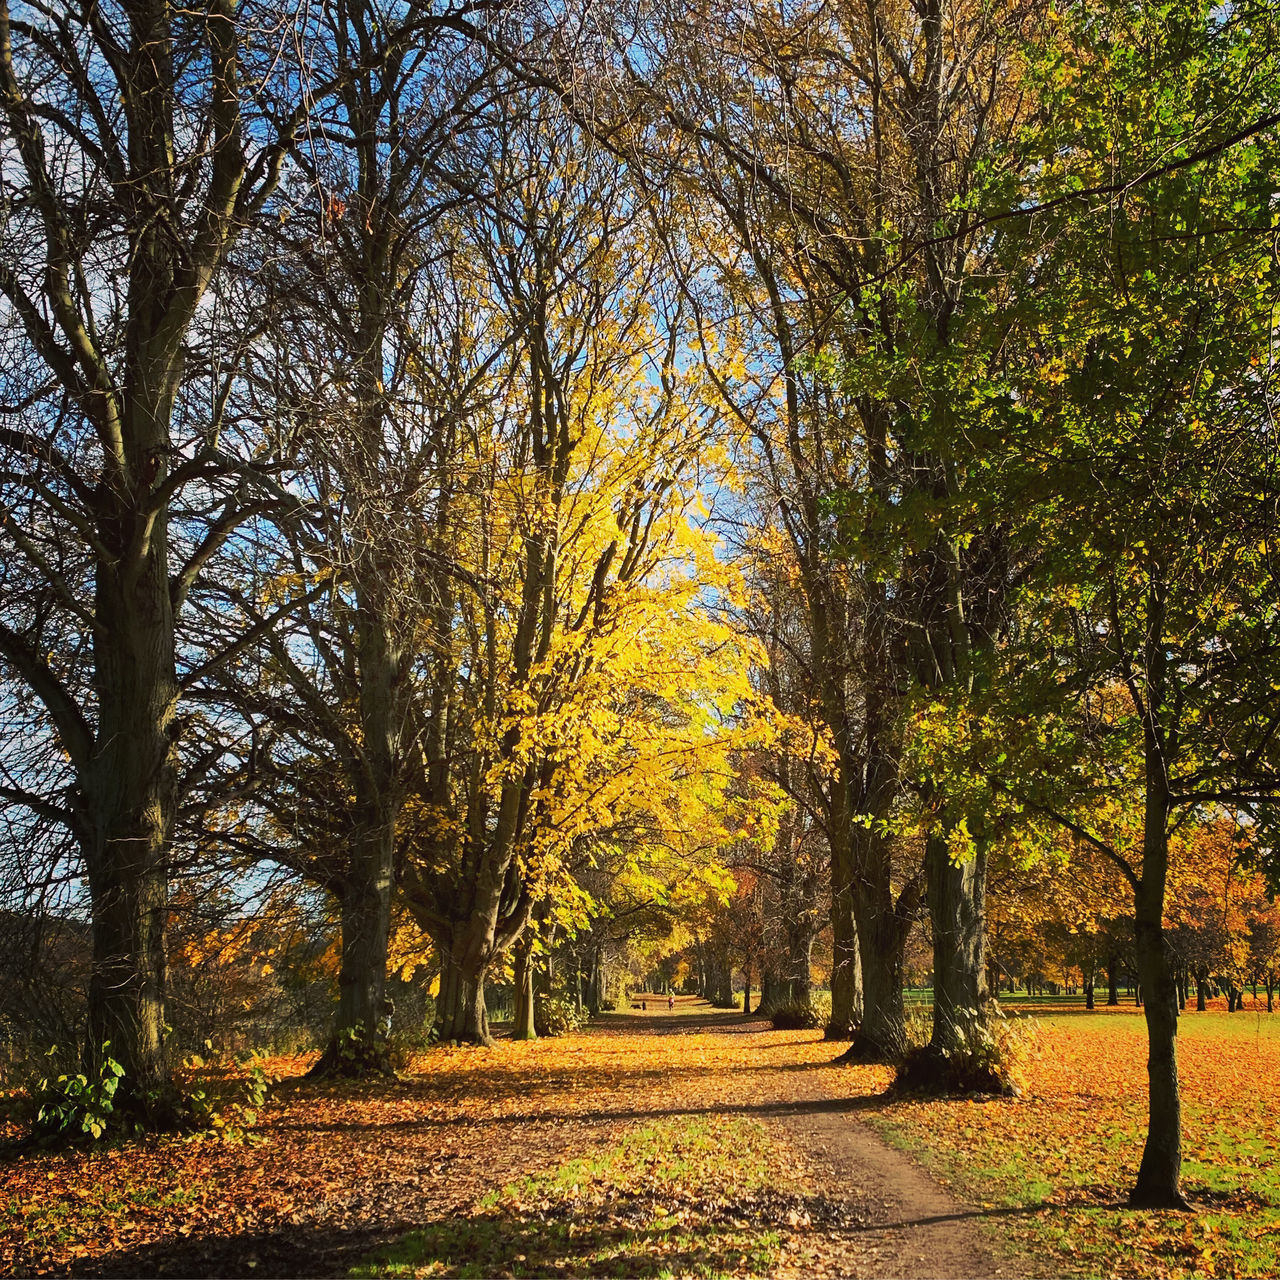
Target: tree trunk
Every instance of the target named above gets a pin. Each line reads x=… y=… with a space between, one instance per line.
x=770 y=989
x=846 y=963
x=595 y=983
x=1159 y=1177
x=1202 y=990
x=461 y=1017
x=1088 y=994
x=882 y=1035
x=1160 y=1174
x=799 y=950
x=130 y=795
x=746 y=988
x=366 y=924
x=957 y=910
x=1113 y=979
x=525 y=1027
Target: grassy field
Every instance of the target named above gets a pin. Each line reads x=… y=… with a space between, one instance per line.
x=1073 y=1143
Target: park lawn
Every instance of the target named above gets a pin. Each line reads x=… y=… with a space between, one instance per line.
x=1073 y=1143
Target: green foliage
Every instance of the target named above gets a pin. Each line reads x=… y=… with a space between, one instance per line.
x=225 y=1092
x=558 y=1015
x=76 y=1107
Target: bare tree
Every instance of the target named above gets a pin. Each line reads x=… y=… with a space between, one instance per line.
x=127 y=170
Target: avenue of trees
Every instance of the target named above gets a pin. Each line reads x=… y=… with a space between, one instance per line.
x=491 y=495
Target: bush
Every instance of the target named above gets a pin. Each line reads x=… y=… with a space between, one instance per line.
x=224 y=1092
x=798 y=1015
x=75 y=1107
x=992 y=1058
x=558 y=1015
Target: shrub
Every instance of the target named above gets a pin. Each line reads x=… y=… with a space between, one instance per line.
x=224 y=1092
x=76 y=1106
x=558 y=1015
x=992 y=1058
x=796 y=1015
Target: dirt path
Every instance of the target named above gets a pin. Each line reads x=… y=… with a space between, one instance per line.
x=887 y=1216
x=904 y=1224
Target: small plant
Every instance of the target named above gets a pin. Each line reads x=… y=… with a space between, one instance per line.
x=79 y=1106
x=225 y=1092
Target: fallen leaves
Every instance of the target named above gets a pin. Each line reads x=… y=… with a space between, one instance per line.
x=1073 y=1147
x=337 y=1168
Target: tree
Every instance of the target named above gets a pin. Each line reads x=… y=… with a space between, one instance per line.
x=129 y=167
x=826 y=233
x=379 y=359
x=1146 y=451
x=562 y=686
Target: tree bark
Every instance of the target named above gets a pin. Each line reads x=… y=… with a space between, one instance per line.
x=461 y=1017
x=882 y=1035
x=1159 y=1176
x=957 y=910
x=366 y=924
x=799 y=949
x=1160 y=1173
x=846 y=962
x=525 y=1026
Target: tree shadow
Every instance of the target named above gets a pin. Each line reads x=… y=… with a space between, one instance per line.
x=301 y=1250
x=820 y=1106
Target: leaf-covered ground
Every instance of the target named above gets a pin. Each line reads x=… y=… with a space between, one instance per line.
x=669 y=1145
x=1073 y=1145
x=333 y=1175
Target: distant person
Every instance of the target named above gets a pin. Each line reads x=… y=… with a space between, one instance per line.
x=671 y=1002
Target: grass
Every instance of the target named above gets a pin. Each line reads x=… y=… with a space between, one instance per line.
x=1071 y=1149
x=683 y=1197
